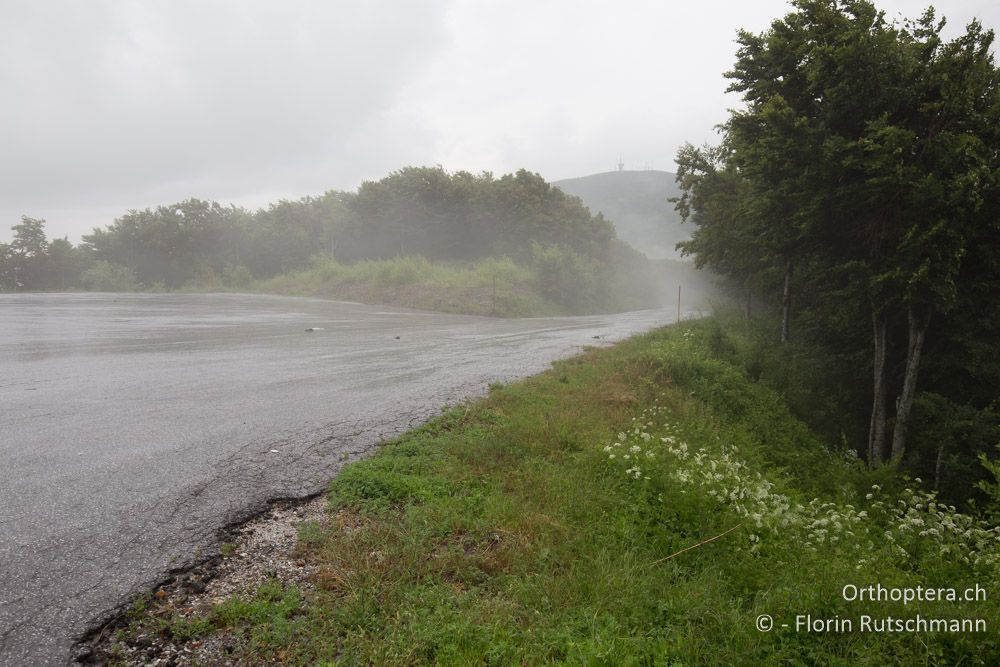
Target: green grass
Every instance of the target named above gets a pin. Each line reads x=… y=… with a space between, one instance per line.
x=512 y=530
x=497 y=287
x=555 y=282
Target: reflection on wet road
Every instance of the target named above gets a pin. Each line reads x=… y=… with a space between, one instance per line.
x=134 y=427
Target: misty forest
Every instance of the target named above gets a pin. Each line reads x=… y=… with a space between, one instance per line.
x=704 y=486
x=512 y=245
x=866 y=208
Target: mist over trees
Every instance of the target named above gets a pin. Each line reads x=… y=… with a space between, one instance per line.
x=859 y=192
x=170 y=245
x=31 y=261
x=576 y=258
x=638 y=202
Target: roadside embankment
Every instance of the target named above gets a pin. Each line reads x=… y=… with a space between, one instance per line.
x=646 y=503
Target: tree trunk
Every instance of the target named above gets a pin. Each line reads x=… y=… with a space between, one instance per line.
x=786 y=302
x=918 y=322
x=937 y=468
x=876 y=429
x=749 y=303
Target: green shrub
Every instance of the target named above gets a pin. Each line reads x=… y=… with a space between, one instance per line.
x=104 y=276
x=237 y=276
x=577 y=282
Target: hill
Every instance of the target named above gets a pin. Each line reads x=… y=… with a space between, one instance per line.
x=637 y=202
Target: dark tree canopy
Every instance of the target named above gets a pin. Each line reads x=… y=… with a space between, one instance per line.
x=425 y=211
x=866 y=158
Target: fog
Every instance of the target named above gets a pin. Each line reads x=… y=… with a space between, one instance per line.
x=111 y=105
x=252 y=240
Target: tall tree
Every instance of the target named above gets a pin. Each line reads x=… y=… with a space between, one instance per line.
x=28 y=251
x=8 y=277
x=64 y=266
x=171 y=244
x=712 y=196
x=865 y=146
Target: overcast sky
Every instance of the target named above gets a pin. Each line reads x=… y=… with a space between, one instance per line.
x=111 y=105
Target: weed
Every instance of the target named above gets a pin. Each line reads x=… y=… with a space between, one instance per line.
x=311 y=534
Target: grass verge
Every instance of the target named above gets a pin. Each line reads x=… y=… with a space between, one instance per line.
x=496 y=287
x=646 y=504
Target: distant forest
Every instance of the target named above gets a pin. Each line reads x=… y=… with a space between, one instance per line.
x=576 y=259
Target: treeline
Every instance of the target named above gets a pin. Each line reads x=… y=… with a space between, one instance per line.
x=418 y=211
x=859 y=193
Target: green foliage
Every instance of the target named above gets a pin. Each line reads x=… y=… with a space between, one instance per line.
x=557 y=280
x=8 y=274
x=24 y=261
x=284 y=236
x=273 y=605
x=991 y=487
x=420 y=237
x=426 y=211
x=172 y=244
x=493 y=286
x=29 y=238
x=104 y=276
x=32 y=262
x=565 y=277
x=947 y=442
x=947 y=438
x=311 y=534
x=237 y=276
x=861 y=177
x=64 y=265
x=710 y=364
x=204 y=279
x=381 y=483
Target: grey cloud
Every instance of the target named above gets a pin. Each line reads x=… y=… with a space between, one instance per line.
x=114 y=104
x=111 y=98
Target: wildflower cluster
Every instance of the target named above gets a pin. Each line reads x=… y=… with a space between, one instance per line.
x=908 y=526
x=917 y=523
x=634 y=447
x=726 y=478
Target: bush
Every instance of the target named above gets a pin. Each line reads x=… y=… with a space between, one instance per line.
x=237 y=276
x=577 y=282
x=104 y=276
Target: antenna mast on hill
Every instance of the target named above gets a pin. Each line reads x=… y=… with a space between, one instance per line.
x=621 y=164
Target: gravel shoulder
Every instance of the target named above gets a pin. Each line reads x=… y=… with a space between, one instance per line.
x=261 y=550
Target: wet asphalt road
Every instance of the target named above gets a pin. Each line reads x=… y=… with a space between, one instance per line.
x=134 y=427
